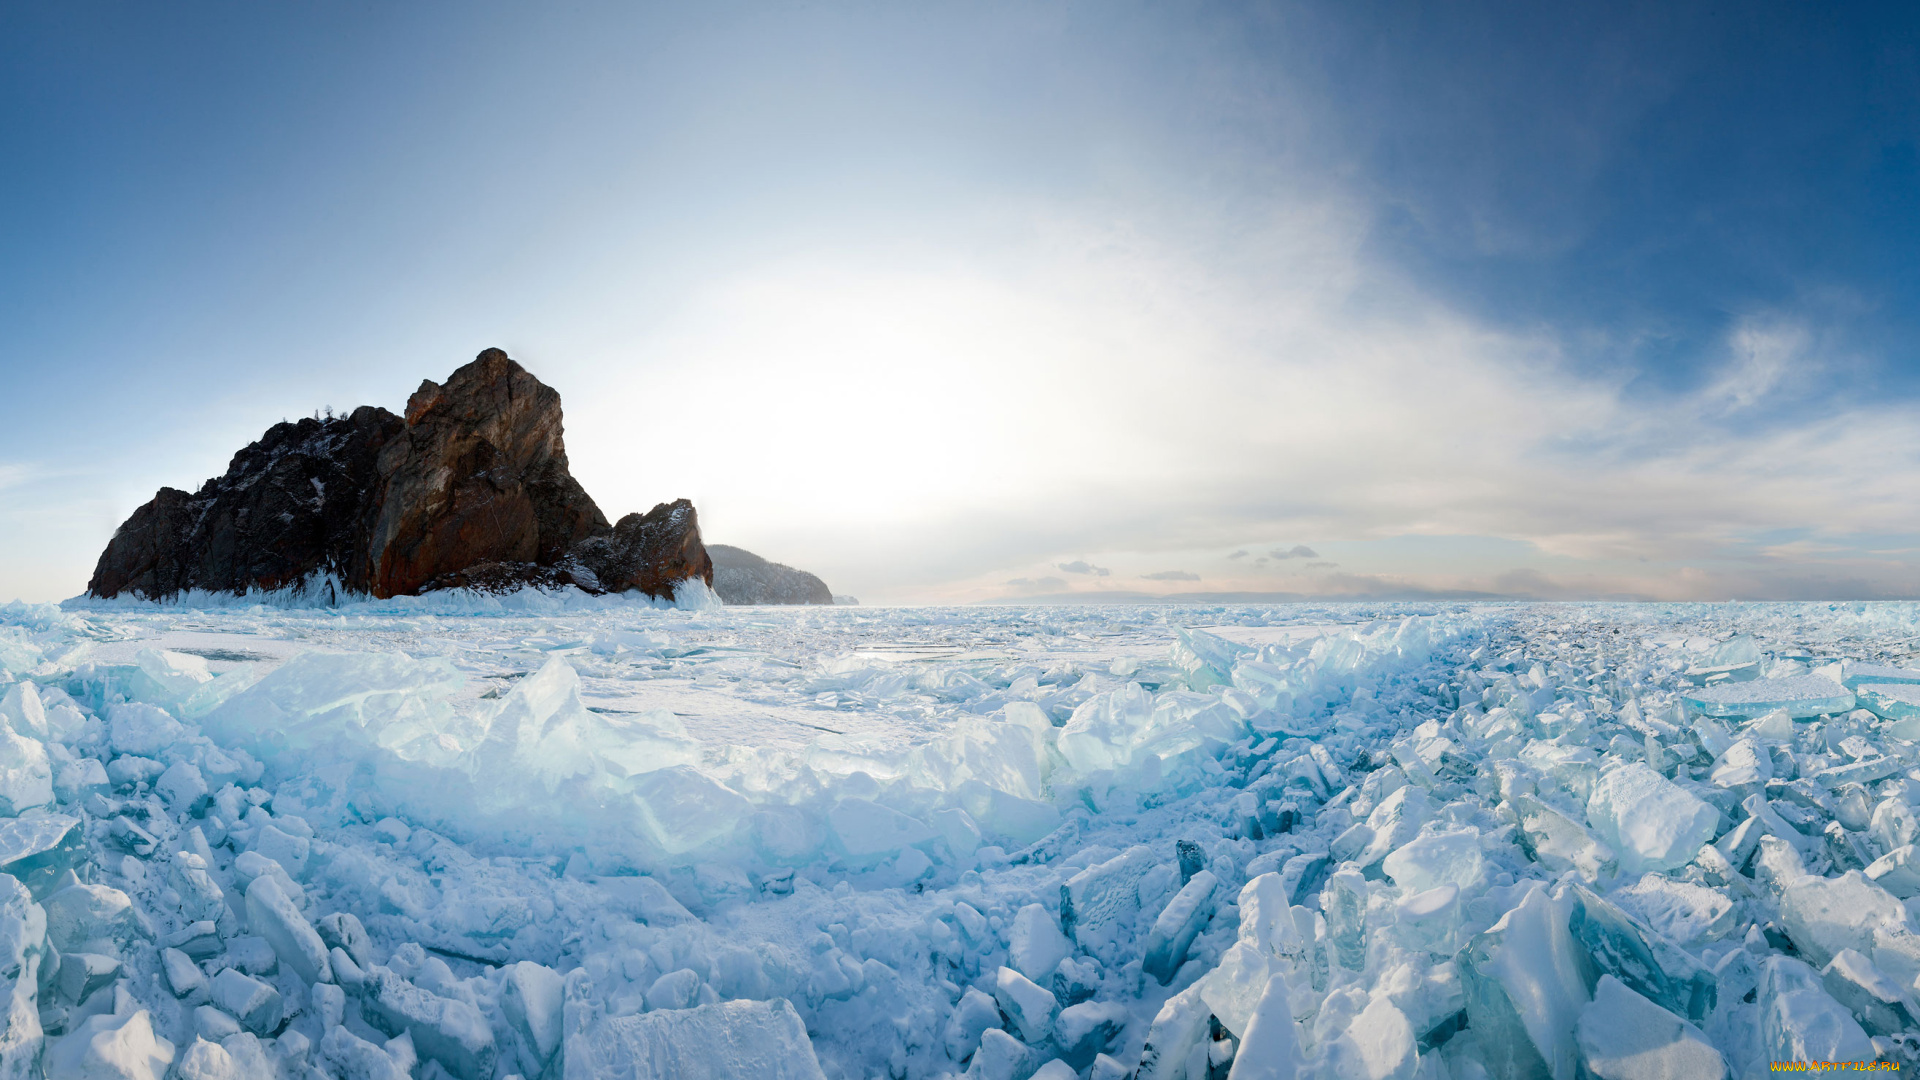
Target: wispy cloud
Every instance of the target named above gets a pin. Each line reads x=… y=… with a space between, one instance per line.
x=1297 y=551
x=1172 y=575
x=1764 y=354
x=15 y=474
x=1081 y=566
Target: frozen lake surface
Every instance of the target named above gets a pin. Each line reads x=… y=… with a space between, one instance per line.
x=588 y=837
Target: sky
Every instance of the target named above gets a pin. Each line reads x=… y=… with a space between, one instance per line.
x=964 y=302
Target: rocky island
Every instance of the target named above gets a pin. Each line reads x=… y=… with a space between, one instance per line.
x=470 y=489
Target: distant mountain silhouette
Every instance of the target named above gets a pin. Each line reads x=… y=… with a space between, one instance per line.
x=741 y=577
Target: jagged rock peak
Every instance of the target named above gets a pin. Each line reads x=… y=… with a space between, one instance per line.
x=471 y=488
x=479 y=476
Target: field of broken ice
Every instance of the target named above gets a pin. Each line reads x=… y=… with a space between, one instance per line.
x=599 y=839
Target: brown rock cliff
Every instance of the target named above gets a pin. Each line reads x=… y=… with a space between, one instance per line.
x=479 y=475
x=471 y=489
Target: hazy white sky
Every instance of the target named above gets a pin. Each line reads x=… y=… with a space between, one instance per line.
x=974 y=302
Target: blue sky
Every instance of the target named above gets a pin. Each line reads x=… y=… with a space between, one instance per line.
x=1510 y=299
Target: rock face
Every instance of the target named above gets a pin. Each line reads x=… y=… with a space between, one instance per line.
x=294 y=507
x=470 y=489
x=741 y=577
x=479 y=475
x=648 y=552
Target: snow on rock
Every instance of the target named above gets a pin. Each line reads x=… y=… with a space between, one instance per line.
x=741 y=577
x=111 y=1047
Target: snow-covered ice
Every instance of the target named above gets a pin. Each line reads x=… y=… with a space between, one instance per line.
x=557 y=836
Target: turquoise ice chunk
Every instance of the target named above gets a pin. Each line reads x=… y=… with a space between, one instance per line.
x=1649 y=964
x=1801 y=696
x=1345 y=902
x=1852 y=675
x=1894 y=701
x=38 y=849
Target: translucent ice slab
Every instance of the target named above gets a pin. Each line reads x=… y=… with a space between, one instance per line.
x=1801 y=696
x=1852 y=675
x=1623 y=1034
x=37 y=850
x=1894 y=701
x=1525 y=990
x=317 y=702
x=1736 y=660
